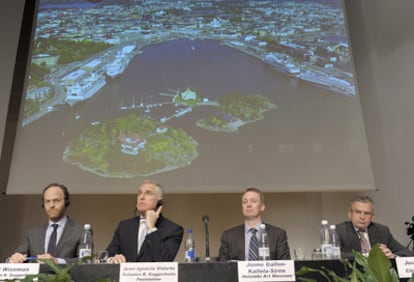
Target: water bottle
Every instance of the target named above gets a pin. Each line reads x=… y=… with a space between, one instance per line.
x=264 y=252
x=86 y=244
x=189 y=247
x=336 y=249
x=326 y=246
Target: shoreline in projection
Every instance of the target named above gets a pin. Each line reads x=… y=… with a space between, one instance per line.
x=152 y=75
x=130 y=146
x=236 y=112
x=308 y=51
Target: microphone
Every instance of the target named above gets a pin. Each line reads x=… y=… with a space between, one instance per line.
x=205 y=219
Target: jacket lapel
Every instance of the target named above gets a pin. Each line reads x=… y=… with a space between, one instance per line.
x=355 y=241
x=66 y=234
x=241 y=242
x=40 y=240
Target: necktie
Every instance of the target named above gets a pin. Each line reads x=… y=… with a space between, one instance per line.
x=51 y=247
x=365 y=247
x=142 y=232
x=254 y=245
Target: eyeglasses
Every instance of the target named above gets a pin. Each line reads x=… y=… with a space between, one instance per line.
x=363 y=213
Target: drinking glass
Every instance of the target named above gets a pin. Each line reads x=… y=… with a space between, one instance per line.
x=101 y=256
x=300 y=253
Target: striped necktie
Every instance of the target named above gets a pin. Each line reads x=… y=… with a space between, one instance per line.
x=254 y=245
x=365 y=247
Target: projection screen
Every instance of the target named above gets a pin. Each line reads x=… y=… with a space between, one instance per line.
x=202 y=96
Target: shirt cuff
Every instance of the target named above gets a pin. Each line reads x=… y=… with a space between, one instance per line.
x=61 y=261
x=152 y=230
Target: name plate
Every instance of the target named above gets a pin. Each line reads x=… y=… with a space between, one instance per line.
x=148 y=272
x=266 y=270
x=14 y=271
x=405 y=266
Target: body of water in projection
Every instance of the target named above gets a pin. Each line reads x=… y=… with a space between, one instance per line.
x=314 y=140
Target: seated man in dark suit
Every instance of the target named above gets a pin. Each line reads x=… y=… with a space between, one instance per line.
x=235 y=241
x=360 y=233
x=148 y=237
x=37 y=243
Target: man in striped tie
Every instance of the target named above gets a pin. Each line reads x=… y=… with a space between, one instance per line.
x=241 y=242
x=360 y=233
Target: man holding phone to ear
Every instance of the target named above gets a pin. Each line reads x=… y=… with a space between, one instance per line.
x=149 y=236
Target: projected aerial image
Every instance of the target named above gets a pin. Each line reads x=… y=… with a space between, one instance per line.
x=226 y=92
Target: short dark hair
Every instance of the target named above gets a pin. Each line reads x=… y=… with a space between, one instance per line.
x=256 y=190
x=62 y=187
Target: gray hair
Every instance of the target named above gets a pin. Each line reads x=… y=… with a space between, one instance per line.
x=362 y=199
x=160 y=189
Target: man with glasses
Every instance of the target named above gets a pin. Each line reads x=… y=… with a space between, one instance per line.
x=57 y=239
x=360 y=233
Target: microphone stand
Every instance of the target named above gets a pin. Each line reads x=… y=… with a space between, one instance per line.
x=205 y=220
x=409 y=243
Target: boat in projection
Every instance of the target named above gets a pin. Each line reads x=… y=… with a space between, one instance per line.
x=84 y=88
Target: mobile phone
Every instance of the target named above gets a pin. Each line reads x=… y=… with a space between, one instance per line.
x=159 y=204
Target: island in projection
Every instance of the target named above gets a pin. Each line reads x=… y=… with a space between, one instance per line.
x=131 y=145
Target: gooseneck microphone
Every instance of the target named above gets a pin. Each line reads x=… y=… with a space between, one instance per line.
x=205 y=219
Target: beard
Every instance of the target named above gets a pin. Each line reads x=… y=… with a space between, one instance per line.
x=55 y=214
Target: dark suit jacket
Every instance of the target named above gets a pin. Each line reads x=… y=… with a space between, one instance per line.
x=233 y=246
x=67 y=248
x=161 y=245
x=377 y=233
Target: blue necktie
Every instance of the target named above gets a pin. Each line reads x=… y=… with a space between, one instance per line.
x=254 y=245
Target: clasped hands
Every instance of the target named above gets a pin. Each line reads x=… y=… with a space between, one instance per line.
x=20 y=258
x=387 y=252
